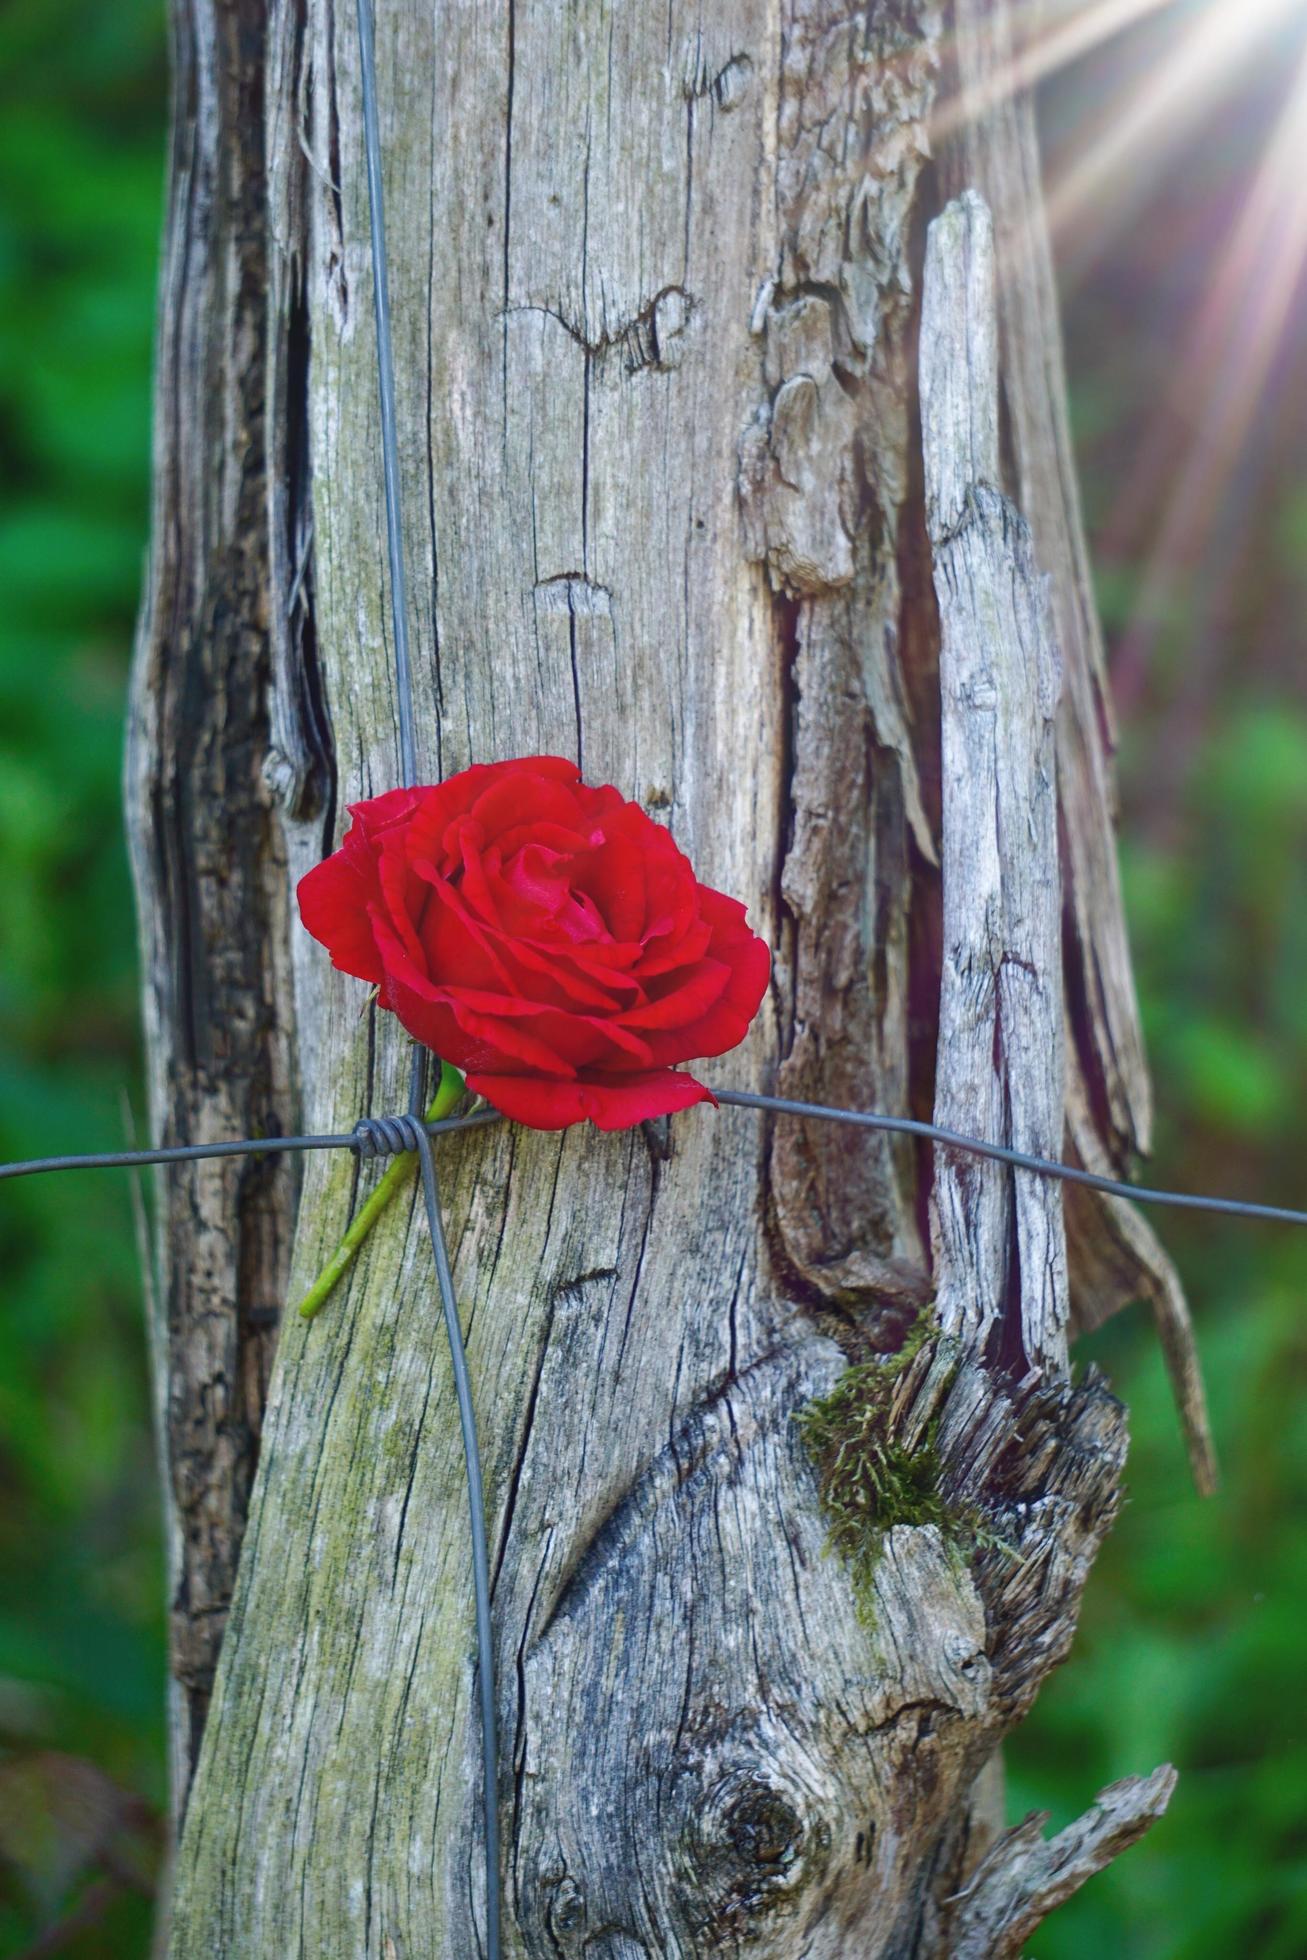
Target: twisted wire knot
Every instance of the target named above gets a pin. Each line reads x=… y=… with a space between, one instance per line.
x=385 y=1136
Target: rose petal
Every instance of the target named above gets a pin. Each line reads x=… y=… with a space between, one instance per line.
x=530 y=1032
x=686 y=999
x=459 y=947
x=440 y=804
x=537 y=902
x=334 y=896
x=500 y=804
x=333 y=901
x=568 y=977
x=613 y=876
x=553 y=975
x=401 y=901
x=615 y=1102
x=747 y=960
x=378 y=814
x=506 y=1039
x=728 y=918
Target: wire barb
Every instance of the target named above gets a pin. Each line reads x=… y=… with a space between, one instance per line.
x=386 y=1136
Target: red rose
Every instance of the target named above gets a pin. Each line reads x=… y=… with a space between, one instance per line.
x=546 y=938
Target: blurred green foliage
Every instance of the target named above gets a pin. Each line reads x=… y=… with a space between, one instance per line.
x=1190 y=1642
x=82 y=96
x=1190 y=1646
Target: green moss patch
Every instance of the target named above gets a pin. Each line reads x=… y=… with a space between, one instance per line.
x=868 y=1480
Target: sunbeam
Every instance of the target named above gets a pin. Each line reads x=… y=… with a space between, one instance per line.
x=1164 y=103
x=1043 y=52
x=1225 y=365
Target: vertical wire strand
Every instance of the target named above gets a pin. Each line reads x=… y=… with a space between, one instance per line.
x=386 y=390
x=480 y=1553
x=430 y=1186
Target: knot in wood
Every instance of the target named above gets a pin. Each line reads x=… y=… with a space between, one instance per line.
x=763 y=1829
x=567 y=1911
x=752 y=1848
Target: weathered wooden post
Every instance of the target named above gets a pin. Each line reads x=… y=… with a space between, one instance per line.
x=702 y=463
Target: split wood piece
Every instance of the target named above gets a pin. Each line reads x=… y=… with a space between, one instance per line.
x=1031 y=1464
x=208 y=852
x=1025 y=1876
x=988 y=142
x=1116 y=1256
x=1000 y=1246
x=986 y=138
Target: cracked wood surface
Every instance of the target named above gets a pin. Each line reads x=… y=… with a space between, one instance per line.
x=999 y=1239
x=207 y=851
x=987 y=139
x=988 y=142
x=657 y=290
x=992 y=146
x=829 y=504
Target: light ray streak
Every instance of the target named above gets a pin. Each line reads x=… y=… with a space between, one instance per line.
x=1041 y=56
x=1225 y=367
x=1164 y=103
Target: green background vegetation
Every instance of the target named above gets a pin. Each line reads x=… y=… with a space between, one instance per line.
x=82 y=95
x=1191 y=1645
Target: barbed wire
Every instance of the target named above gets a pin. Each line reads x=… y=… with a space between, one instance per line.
x=864 y=1119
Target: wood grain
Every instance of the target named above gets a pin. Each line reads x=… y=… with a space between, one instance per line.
x=657 y=284
x=208 y=853
x=999 y=1241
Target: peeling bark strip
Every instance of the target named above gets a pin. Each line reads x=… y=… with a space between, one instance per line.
x=1116 y=1256
x=207 y=854
x=1036 y=1459
x=998 y=1234
x=655 y=291
x=990 y=142
x=825 y=480
x=997 y=152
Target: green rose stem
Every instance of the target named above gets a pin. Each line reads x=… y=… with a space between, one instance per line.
x=397 y=1176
